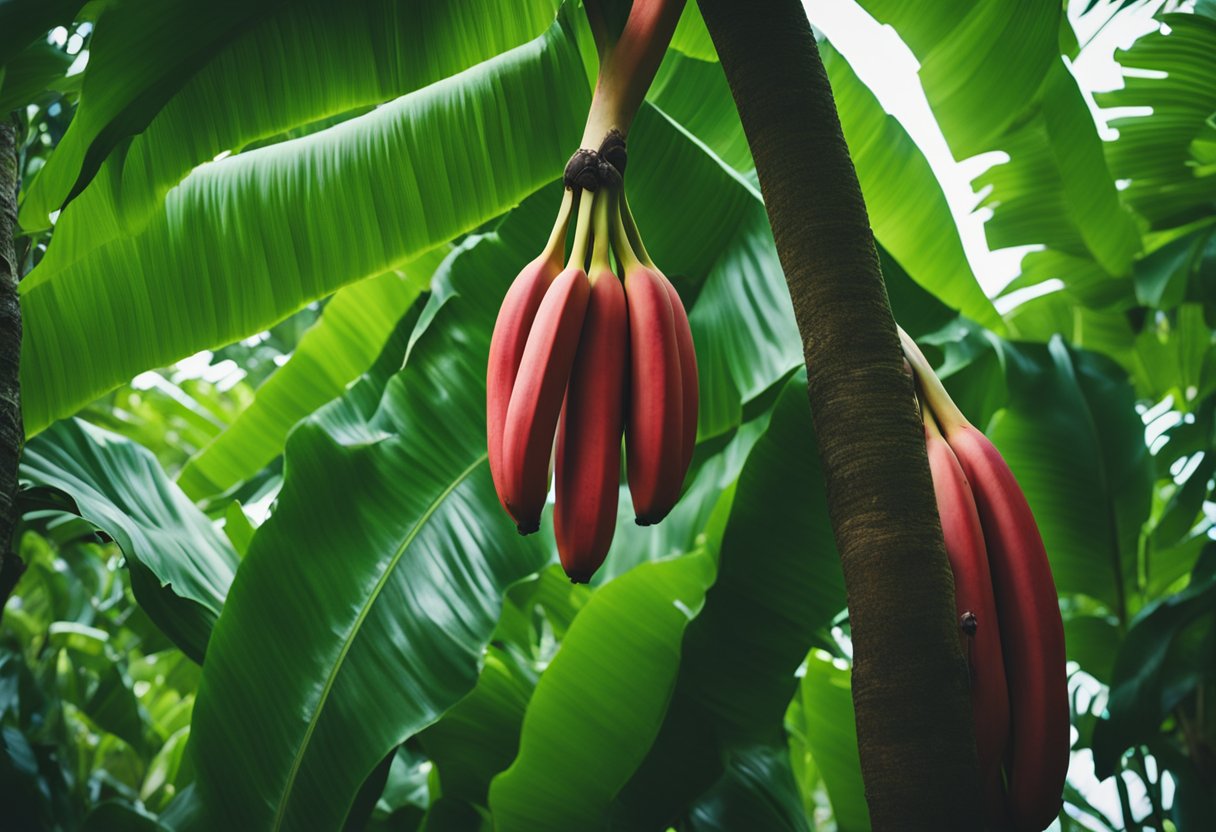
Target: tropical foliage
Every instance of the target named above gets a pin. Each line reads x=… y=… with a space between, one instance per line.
x=271 y=587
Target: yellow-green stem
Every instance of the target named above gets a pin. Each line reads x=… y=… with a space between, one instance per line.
x=556 y=246
x=938 y=399
x=600 y=246
x=631 y=229
x=582 y=230
x=620 y=240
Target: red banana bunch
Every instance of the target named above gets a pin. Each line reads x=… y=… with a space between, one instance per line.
x=1009 y=611
x=576 y=353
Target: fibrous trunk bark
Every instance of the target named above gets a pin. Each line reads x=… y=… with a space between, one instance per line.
x=11 y=431
x=910 y=678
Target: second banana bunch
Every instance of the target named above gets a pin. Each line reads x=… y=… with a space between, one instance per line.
x=580 y=357
x=1009 y=614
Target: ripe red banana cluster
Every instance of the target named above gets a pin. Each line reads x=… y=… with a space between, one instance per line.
x=1009 y=615
x=580 y=357
x=600 y=349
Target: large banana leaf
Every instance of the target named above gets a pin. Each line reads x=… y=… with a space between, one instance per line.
x=600 y=702
x=1056 y=190
x=906 y=205
x=993 y=74
x=31 y=71
x=23 y=21
x=348 y=631
x=981 y=63
x=907 y=208
x=758 y=791
x=694 y=94
x=349 y=335
x=1168 y=156
x=479 y=737
x=1166 y=654
x=306 y=62
x=243 y=242
x=823 y=726
x=740 y=655
x=180 y=565
x=137 y=61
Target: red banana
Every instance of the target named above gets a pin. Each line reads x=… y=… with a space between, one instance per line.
x=511 y=329
x=536 y=400
x=1032 y=633
x=588 y=468
x=654 y=426
x=688 y=376
x=1028 y=609
x=976 y=608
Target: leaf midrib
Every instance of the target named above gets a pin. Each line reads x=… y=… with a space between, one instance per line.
x=298 y=760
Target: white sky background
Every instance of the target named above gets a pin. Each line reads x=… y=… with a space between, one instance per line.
x=888 y=67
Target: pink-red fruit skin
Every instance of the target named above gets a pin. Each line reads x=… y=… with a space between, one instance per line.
x=654 y=425
x=515 y=318
x=688 y=376
x=1032 y=634
x=537 y=395
x=588 y=463
x=973 y=595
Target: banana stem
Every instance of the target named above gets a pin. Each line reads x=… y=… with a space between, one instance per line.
x=620 y=239
x=631 y=231
x=582 y=230
x=599 y=251
x=598 y=25
x=939 y=401
x=628 y=67
x=931 y=427
x=556 y=246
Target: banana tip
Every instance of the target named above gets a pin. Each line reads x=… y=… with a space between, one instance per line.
x=526 y=530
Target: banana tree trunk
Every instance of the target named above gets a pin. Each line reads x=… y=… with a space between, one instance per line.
x=910 y=678
x=11 y=432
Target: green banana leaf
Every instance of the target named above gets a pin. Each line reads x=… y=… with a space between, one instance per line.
x=93 y=677
x=180 y=565
x=1168 y=357
x=740 y=655
x=136 y=62
x=304 y=63
x=395 y=602
x=31 y=71
x=601 y=700
x=993 y=75
x=244 y=242
x=342 y=345
x=1167 y=156
x=691 y=37
x=479 y=736
x=757 y=792
x=23 y=21
x=1166 y=653
x=694 y=94
x=1092 y=642
x=906 y=205
x=981 y=63
x=708 y=485
x=823 y=726
x=1057 y=191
